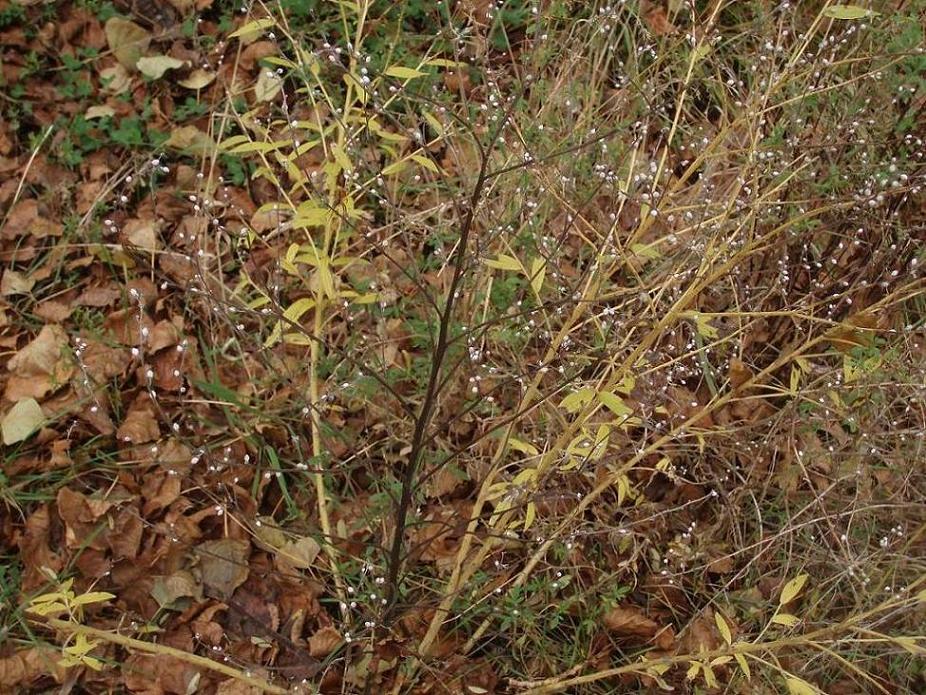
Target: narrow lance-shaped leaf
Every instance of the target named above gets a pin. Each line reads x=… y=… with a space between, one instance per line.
x=792 y=589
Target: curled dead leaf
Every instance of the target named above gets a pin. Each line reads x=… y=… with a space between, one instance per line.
x=323 y=642
x=630 y=622
x=140 y=425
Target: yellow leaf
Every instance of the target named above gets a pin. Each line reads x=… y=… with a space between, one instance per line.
x=576 y=400
x=848 y=12
x=154 y=67
x=709 y=678
x=724 y=628
x=92 y=662
x=623 y=489
x=626 y=385
x=197 y=79
x=394 y=168
x=434 y=123
x=504 y=262
x=92 y=597
x=341 y=158
x=22 y=421
x=253 y=147
x=528 y=475
x=47 y=608
x=693 y=671
x=796 y=686
x=744 y=665
x=538 y=271
x=909 y=643
x=404 y=73
x=425 y=162
x=252 y=30
x=444 y=63
x=785 y=619
x=792 y=589
x=268 y=85
x=530 y=515
x=326 y=278
x=295 y=311
x=522 y=446
x=310 y=217
x=614 y=403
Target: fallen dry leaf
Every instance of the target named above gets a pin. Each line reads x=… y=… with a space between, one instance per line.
x=22 y=667
x=140 y=424
x=13 y=283
x=22 y=421
x=298 y=554
x=53 y=311
x=44 y=357
x=224 y=564
x=127 y=40
x=142 y=233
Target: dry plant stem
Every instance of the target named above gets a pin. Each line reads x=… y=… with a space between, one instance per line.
x=318 y=477
x=163 y=650
x=22 y=178
x=463 y=565
x=421 y=425
x=814 y=638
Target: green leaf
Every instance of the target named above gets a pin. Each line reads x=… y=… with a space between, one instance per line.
x=404 y=73
x=848 y=12
x=792 y=589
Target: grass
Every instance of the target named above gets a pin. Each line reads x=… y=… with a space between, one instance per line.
x=584 y=340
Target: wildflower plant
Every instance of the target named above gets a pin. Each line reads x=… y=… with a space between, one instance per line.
x=547 y=310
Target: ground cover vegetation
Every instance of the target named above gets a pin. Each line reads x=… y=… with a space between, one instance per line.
x=512 y=346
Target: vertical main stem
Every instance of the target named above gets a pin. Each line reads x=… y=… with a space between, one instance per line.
x=427 y=407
